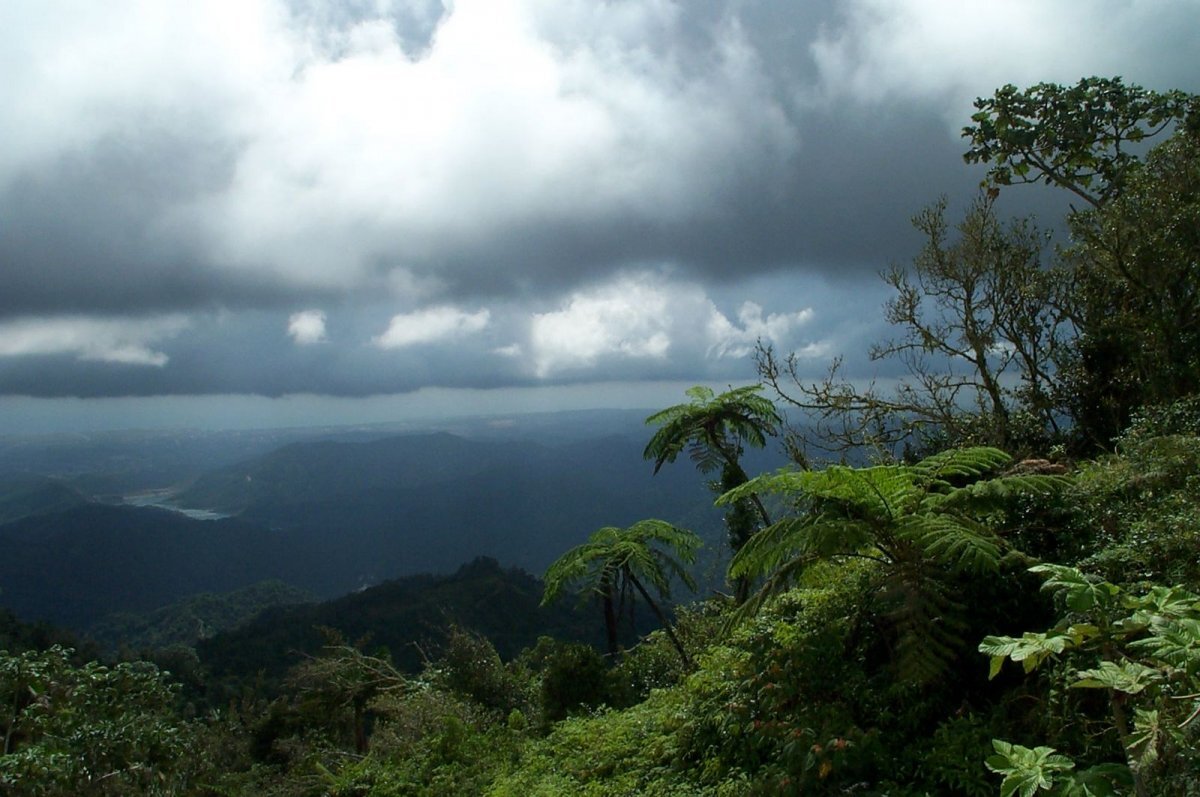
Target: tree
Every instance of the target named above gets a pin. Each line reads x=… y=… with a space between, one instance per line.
x=918 y=523
x=714 y=430
x=1076 y=137
x=982 y=330
x=343 y=677
x=90 y=729
x=1136 y=270
x=1133 y=259
x=614 y=562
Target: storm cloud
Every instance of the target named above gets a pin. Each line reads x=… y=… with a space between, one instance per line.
x=375 y=197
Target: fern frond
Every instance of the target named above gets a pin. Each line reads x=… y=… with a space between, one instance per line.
x=995 y=494
x=785 y=481
x=803 y=537
x=955 y=542
x=770 y=548
x=927 y=623
x=780 y=580
x=972 y=462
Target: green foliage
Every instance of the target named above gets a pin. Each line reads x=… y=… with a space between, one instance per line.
x=614 y=562
x=470 y=667
x=91 y=729
x=1140 y=511
x=630 y=752
x=920 y=522
x=574 y=678
x=1027 y=771
x=778 y=703
x=1143 y=649
x=1075 y=137
x=953 y=760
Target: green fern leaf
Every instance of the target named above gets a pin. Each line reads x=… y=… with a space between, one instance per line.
x=954 y=542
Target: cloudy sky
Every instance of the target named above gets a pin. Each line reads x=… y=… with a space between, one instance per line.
x=300 y=209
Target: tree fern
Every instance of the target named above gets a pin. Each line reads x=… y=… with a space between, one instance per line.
x=923 y=522
x=614 y=563
x=714 y=430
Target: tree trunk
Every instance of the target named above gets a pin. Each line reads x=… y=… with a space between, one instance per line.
x=662 y=618
x=610 y=613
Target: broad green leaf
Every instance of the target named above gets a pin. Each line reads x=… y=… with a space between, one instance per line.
x=1129 y=677
x=1082 y=594
x=1031 y=649
x=1143 y=745
x=1026 y=771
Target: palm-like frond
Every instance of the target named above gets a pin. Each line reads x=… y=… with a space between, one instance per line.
x=806 y=537
x=582 y=564
x=711 y=427
x=925 y=619
x=974 y=462
x=921 y=521
x=615 y=561
x=953 y=541
x=993 y=494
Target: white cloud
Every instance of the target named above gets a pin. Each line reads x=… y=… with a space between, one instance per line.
x=430 y=325
x=729 y=340
x=627 y=319
x=307 y=327
x=114 y=340
x=954 y=52
x=353 y=155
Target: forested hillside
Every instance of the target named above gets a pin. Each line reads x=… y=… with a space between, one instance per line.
x=1001 y=597
x=329 y=517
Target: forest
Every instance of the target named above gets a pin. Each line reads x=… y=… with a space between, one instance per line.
x=981 y=578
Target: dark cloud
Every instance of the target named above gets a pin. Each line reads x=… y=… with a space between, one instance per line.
x=188 y=180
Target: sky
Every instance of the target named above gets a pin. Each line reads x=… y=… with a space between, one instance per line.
x=294 y=211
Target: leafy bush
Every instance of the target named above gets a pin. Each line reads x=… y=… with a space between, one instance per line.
x=90 y=729
x=573 y=677
x=1144 y=511
x=1142 y=650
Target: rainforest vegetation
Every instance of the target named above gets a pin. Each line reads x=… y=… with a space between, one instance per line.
x=1000 y=596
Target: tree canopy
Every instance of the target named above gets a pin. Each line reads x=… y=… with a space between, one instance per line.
x=1082 y=138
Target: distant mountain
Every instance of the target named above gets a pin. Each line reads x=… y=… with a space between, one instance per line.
x=328 y=469
x=337 y=515
x=409 y=617
x=26 y=494
x=73 y=567
x=424 y=503
x=195 y=617
x=110 y=464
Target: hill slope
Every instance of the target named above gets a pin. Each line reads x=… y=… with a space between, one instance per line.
x=407 y=616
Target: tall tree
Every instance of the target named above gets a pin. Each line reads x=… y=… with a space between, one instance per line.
x=981 y=331
x=1136 y=267
x=1133 y=258
x=615 y=562
x=715 y=429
